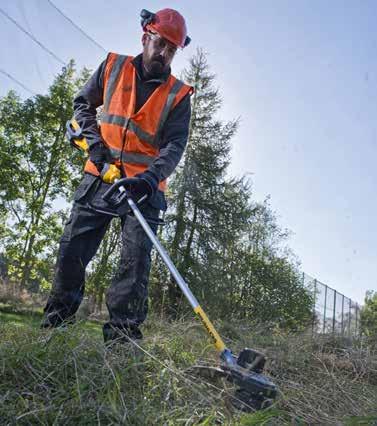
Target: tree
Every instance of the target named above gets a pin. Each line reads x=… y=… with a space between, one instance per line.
x=201 y=197
x=368 y=316
x=37 y=170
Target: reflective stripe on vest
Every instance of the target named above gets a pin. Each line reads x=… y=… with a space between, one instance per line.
x=131 y=157
x=115 y=72
x=169 y=102
x=123 y=122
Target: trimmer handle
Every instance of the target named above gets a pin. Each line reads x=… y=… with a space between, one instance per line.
x=75 y=136
x=119 y=191
x=110 y=172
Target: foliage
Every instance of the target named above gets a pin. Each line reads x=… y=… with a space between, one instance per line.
x=38 y=171
x=205 y=205
x=368 y=316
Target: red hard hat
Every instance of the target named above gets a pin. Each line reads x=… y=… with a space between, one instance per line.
x=168 y=23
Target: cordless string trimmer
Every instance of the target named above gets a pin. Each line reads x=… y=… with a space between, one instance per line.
x=255 y=389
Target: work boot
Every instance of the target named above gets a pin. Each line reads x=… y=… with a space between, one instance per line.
x=125 y=335
x=55 y=320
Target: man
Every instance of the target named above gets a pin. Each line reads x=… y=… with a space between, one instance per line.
x=144 y=130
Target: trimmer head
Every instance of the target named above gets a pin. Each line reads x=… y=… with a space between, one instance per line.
x=255 y=389
x=255 y=384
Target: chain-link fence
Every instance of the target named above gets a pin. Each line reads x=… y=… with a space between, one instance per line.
x=332 y=311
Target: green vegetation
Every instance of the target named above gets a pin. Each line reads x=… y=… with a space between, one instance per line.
x=68 y=377
x=36 y=170
x=369 y=317
x=18 y=318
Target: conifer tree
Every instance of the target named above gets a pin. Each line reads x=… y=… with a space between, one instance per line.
x=206 y=206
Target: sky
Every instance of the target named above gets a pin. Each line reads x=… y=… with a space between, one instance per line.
x=302 y=77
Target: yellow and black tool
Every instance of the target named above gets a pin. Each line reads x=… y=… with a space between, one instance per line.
x=255 y=390
x=110 y=172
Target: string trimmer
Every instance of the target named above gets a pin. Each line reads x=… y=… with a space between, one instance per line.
x=255 y=389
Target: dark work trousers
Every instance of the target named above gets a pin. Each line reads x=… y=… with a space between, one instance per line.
x=127 y=296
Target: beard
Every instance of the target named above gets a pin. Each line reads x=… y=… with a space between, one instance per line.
x=155 y=67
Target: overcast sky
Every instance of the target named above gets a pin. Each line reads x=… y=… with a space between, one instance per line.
x=300 y=74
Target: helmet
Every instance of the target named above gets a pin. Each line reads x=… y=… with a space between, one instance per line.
x=168 y=23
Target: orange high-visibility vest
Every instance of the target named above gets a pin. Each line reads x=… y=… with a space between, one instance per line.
x=133 y=138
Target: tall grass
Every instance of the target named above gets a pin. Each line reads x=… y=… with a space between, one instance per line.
x=68 y=377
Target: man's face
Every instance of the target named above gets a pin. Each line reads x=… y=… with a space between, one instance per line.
x=158 y=54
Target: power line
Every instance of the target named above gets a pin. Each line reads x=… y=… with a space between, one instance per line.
x=76 y=26
x=32 y=37
x=16 y=81
x=23 y=13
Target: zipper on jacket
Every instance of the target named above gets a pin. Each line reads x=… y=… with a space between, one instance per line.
x=123 y=143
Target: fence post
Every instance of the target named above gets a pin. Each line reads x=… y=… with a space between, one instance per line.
x=324 y=311
x=342 y=314
x=349 y=317
x=314 y=302
x=333 y=314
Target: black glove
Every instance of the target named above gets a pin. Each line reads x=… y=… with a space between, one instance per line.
x=146 y=186
x=99 y=155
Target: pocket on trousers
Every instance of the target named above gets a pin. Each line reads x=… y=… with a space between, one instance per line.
x=85 y=185
x=158 y=201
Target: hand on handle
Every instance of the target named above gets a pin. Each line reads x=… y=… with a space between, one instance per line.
x=98 y=153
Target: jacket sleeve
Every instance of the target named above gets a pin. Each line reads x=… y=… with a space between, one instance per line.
x=85 y=105
x=173 y=140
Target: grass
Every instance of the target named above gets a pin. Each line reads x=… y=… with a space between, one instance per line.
x=69 y=377
x=19 y=317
